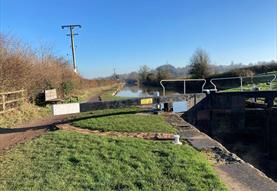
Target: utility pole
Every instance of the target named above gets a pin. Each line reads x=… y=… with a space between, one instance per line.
x=71 y=28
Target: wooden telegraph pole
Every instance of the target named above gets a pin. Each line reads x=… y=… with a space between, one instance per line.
x=71 y=28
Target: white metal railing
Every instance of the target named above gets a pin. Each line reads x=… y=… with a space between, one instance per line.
x=182 y=80
x=212 y=81
x=241 y=80
x=228 y=78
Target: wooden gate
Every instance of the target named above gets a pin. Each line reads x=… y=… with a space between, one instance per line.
x=10 y=100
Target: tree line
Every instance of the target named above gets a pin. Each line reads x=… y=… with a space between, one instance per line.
x=200 y=67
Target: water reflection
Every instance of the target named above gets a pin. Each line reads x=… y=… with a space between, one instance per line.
x=136 y=91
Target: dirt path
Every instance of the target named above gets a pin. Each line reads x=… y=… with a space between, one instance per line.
x=9 y=137
x=94 y=97
x=143 y=135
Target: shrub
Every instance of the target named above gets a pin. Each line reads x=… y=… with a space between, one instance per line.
x=23 y=68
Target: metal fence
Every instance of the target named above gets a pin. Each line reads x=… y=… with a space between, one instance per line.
x=261 y=82
x=10 y=100
x=185 y=84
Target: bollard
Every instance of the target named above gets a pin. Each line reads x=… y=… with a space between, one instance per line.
x=156 y=94
x=157 y=106
x=177 y=140
x=168 y=107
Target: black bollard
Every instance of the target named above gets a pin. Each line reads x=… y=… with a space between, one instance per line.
x=168 y=107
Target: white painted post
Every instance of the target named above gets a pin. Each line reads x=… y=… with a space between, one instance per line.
x=177 y=140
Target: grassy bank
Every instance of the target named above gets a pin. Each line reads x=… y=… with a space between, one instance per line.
x=72 y=161
x=261 y=82
x=28 y=112
x=25 y=113
x=123 y=121
x=85 y=94
x=109 y=95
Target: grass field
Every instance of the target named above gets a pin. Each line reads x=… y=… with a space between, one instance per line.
x=261 y=82
x=71 y=161
x=124 y=120
x=248 y=87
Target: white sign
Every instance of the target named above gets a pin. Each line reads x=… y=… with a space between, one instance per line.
x=63 y=109
x=50 y=94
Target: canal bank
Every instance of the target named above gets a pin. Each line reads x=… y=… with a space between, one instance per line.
x=226 y=120
x=242 y=130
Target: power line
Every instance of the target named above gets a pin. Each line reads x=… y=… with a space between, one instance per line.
x=72 y=34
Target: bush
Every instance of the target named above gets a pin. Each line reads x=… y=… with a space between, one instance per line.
x=23 y=68
x=67 y=87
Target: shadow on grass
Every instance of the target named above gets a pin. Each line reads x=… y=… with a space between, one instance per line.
x=51 y=126
x=18 y=130
x=89 y=116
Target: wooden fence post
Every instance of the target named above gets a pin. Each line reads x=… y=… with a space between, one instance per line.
x=14 y=102
x=3 y=102
x=22 y=96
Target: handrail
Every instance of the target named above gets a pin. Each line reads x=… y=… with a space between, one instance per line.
x=241 y=79
x=215 y=79
x=13 y=92
x=227 y=78
x=180 y=80
x=274 y=77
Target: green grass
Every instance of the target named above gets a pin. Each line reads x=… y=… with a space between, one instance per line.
x=107 y=96
x=259 y=82
x=85 y=94
x=120 y=120
x=248 y=87
x=71 y=161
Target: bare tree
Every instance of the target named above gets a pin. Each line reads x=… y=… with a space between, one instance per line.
x=163 y=74
x=200 y=64
x=143 y=72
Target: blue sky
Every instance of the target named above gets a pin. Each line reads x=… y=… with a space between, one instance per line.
x=129 y=33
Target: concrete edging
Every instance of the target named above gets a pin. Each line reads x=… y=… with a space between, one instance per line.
x=242 y=173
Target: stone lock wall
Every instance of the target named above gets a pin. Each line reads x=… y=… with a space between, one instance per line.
x=226 y=118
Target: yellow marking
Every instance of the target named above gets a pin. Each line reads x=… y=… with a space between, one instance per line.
x=146 y=101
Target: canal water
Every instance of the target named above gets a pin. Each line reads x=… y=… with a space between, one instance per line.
x=136 y=91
